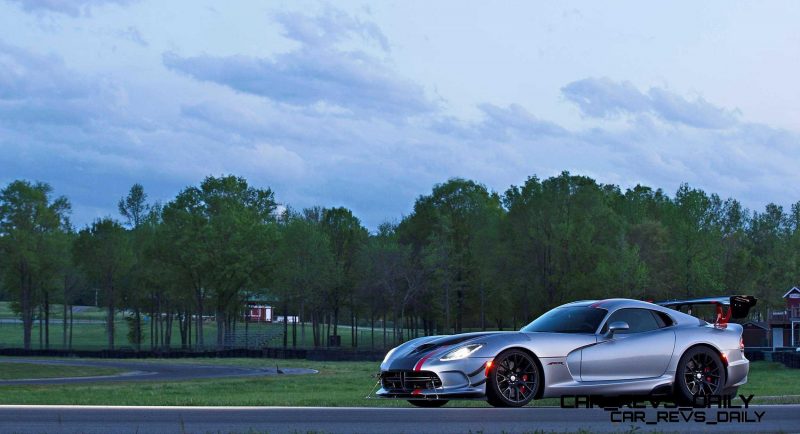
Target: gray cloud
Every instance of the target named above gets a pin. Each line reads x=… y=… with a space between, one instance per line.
x=133 y=34
x=317 y=72
x=601 y=97
x=336 y=127
x=604 y=98
x=27 y=75
x=328 y=28
x=74 y=8
x=698 y=113
x=507 y=124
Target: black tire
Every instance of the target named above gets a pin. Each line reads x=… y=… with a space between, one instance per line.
x=514 y=379
x=427 y=403
x=700 y=373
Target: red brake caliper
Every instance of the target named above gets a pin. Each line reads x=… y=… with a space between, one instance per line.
x=524 y=378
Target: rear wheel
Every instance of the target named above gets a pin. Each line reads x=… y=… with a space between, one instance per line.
x=700 y=374
x=513 y=379
x=427 y=403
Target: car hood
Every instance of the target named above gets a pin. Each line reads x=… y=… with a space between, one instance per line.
x=406 y=356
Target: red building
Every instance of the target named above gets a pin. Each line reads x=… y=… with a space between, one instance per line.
x=785 y=324
x=257 y=312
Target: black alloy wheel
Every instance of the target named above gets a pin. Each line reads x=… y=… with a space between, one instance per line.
x=700 y=374
x=513 y=379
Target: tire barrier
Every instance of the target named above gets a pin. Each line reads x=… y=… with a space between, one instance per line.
x=789 y=359
x=320 y=354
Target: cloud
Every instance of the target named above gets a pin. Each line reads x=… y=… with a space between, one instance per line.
x=604 y=98
x=27 y=75
x=318 y=72
x=698 y=113
x=329 y=28
x=506 y=124
x=132 y=34
x=37 y=91
x=601 y=97
x=516 y=119
x=333 y=126
x=79 y=132
x=73 y=8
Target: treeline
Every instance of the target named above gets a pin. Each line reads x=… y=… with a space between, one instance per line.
x=465 y=258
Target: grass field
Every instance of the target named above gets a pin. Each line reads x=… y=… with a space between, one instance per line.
x=774 y=380
x=56 y=310
x=91 y=334
x=337 y=384
x=17 y=371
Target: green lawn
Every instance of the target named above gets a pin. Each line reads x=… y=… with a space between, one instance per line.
x=337 y=384
x=56 y=311
x=773 y=380
x=92 y=336
x=17 y=371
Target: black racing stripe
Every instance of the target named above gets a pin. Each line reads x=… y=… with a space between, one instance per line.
x=478 y=383
x=408 y=362
x=404 y=363
x=472 y=374
x=457 y=339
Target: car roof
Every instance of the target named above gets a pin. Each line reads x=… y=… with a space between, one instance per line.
x=612 y=304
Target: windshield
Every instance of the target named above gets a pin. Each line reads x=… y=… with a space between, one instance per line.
x=581 y=319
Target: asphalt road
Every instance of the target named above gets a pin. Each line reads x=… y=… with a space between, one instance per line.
x=149 y=371
x=106 y=420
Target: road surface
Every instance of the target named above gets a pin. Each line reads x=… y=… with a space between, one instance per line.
x=107 y=420
x=149 y=371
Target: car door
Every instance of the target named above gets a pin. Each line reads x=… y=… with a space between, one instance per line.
x=642 y=351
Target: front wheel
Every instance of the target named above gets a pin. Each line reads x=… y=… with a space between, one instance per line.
x=513 y=379
x=427 y=403
x=700 y=374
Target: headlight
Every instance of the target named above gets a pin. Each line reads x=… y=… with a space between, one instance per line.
x=462 y=352
x=389 y=354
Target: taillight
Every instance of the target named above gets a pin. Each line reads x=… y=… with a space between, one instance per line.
x=741 y=344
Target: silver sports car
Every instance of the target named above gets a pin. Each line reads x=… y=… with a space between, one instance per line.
x=605 y=348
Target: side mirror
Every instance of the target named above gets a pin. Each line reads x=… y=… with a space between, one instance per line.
x=616 y=326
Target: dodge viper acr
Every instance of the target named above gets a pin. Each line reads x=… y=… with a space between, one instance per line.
x=607 y=348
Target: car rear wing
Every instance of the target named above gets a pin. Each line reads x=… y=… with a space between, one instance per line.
x=738 y=306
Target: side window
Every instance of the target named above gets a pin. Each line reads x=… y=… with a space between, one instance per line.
x=662 y=319
x=639 y=320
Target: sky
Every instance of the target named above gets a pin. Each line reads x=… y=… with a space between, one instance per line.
x=368 y=105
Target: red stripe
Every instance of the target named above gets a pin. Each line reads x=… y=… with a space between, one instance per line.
x=417 y=392
x=418 y=366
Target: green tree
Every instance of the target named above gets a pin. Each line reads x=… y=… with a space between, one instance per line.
x=566 y=241
x=306 y=267
x=31 y=222
x=104 y=253
x=695 y=233
x=770 y=233
x=442 y=230
x=134 y=206
x=135 y=209
x=224 y=235
x=347 y=236
x=391 y=274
